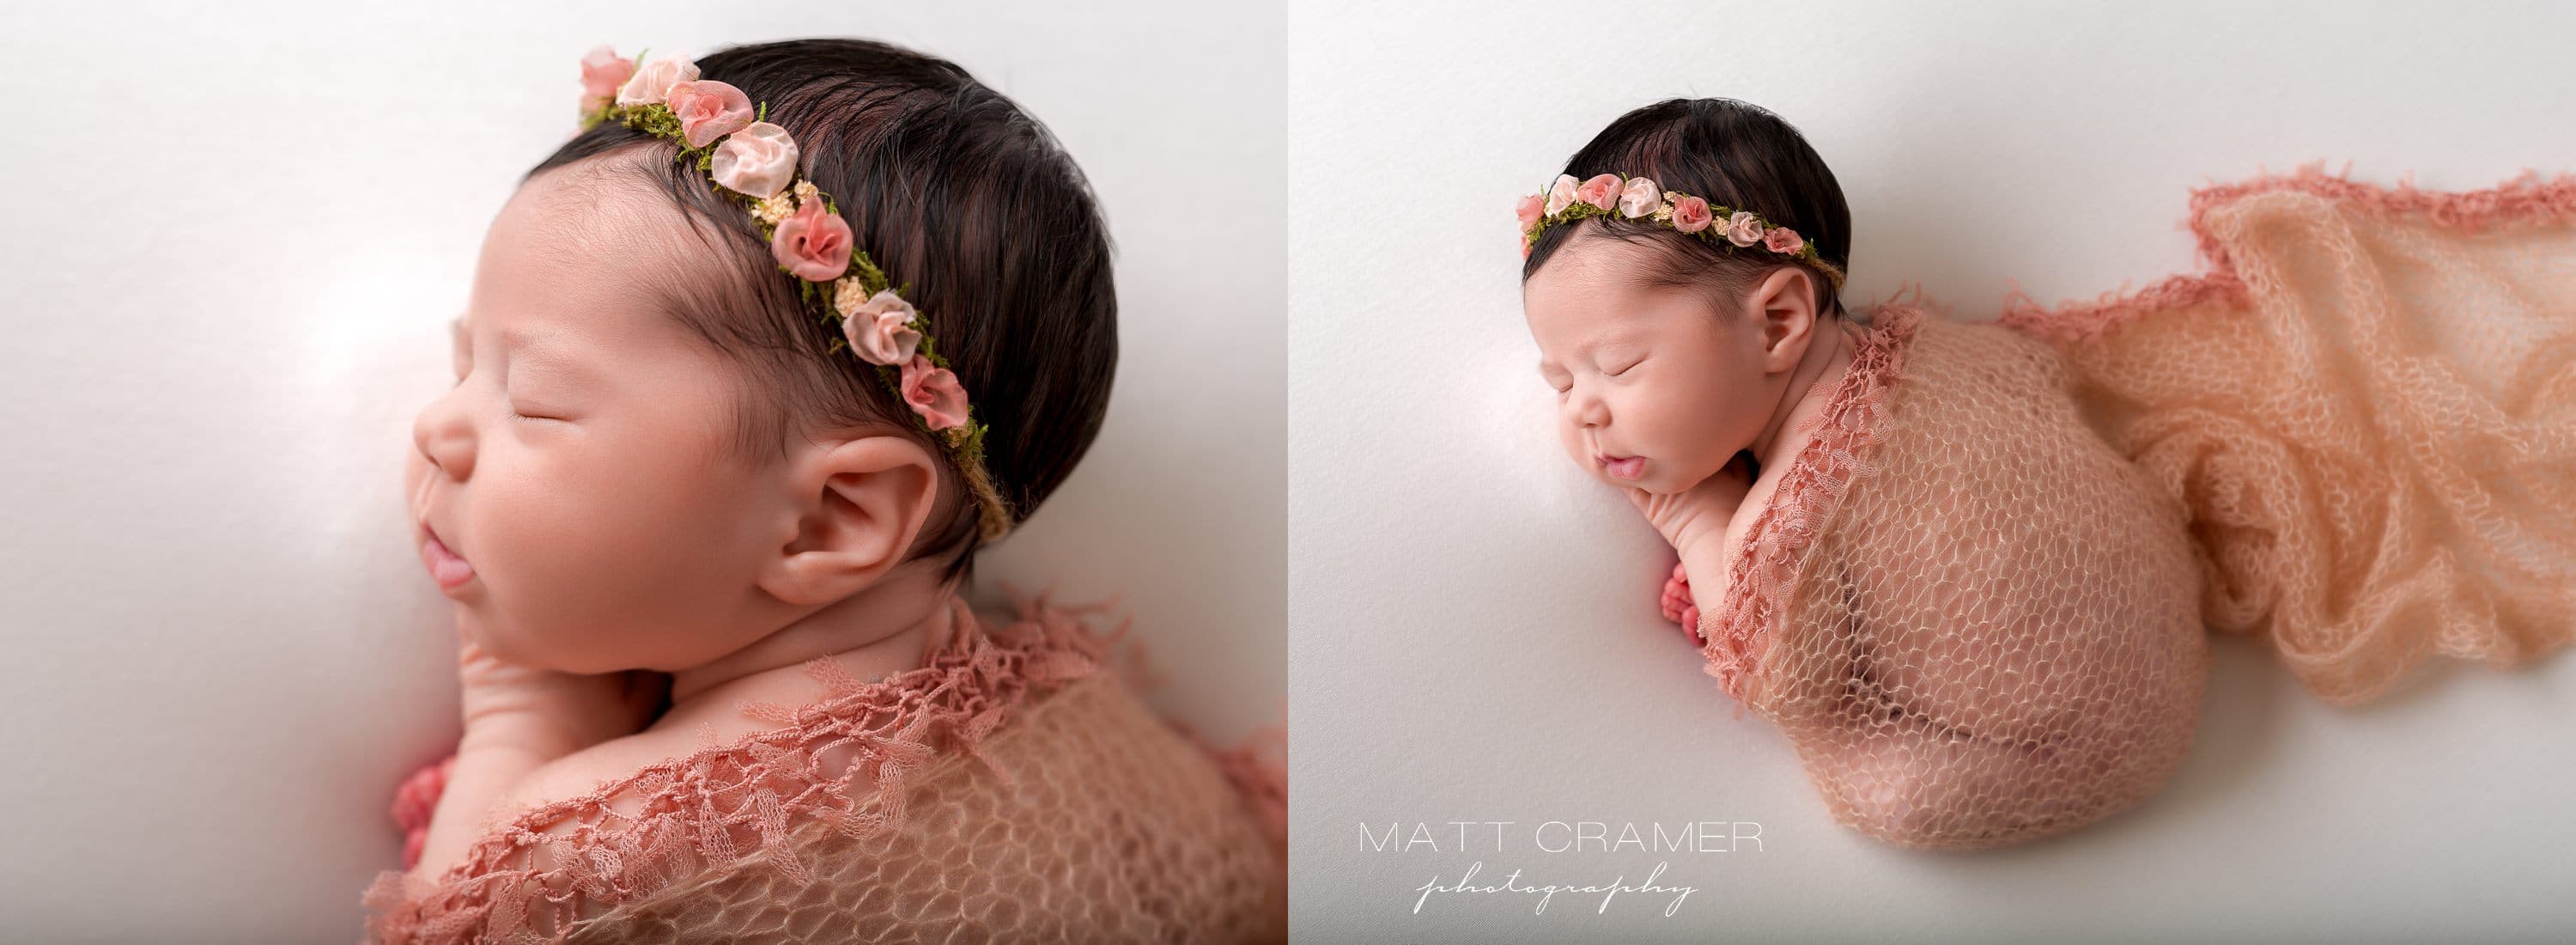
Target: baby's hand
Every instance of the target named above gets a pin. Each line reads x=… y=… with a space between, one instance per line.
x=549 y=710
x=1696 y=518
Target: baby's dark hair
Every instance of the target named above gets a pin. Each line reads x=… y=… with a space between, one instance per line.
x=975 y=212
x=1731 y=153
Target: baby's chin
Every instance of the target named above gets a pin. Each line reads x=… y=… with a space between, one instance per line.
x=510 y=645
x=1650 y=485
x=501 y=646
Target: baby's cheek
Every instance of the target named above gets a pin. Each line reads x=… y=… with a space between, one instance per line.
x=1571 y=441
x=633 y=578
x=415 y=470
x=548 y=569
x=1702 y=438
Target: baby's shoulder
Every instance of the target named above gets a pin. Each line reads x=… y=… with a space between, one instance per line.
x=582 y=772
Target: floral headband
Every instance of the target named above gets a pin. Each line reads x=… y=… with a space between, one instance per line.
x=1637 y=198
x=755 y=161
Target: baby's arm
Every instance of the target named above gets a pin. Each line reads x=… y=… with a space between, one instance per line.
x=517 y=721
x=1707 y=566
x=491 y=762
x=1706 y=526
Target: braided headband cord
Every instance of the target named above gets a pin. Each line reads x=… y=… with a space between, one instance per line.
x=1640 y=200
x=755 y=162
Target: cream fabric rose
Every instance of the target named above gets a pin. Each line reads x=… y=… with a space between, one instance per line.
x=1742 y=229
x=1561 y=194
x=758 y=160
x=653 y=82
x=1639 y=198
x=878 y=327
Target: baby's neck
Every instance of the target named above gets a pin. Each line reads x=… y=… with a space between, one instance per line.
x=1810 y=390
x=885 y=629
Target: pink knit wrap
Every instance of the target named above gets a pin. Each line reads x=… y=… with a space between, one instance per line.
x=1015 y=789
x=1977 y=601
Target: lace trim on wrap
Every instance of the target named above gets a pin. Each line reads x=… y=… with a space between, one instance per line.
x=962 y=694
x=1765 y=569
x=2517 y=201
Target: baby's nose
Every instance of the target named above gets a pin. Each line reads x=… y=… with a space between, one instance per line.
x=443 y=437
x=1592 y=412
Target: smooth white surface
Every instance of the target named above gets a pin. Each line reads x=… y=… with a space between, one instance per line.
x=1472 y=621
x=233 y=237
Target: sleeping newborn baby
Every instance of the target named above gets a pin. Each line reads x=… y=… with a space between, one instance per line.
x=1977 y=621
x=706 y=497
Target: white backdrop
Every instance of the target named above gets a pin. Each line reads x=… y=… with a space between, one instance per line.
x=233 y=240
x=1473 y=627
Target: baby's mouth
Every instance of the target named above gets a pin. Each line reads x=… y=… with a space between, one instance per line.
x=445 y=566
x=1622 y=467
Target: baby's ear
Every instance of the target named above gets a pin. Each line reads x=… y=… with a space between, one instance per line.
x=858 y=504
x=1786 y=304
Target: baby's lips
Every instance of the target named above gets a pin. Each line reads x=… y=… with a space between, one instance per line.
x=1623 y=467
x=445 y=566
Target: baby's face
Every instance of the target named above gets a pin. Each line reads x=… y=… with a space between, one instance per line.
x=578 y=467
x=1654 y=390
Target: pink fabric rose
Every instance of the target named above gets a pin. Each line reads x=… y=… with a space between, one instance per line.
x=1561 y=194
x=1531 y=209
x=601 y=73
x=1639 y=197
x=934 y=394
x=708 y=110
x=1601 y=191
x=880 y=329
x=1782 y=239
x=651 y=83
x=1742 y=229
x=757 y=160
x=1690 y=214
x=813 y=243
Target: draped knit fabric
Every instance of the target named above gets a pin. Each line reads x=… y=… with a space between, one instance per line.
x=1014 y=788
x=1977 y=602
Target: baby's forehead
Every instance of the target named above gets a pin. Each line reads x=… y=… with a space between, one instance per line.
x=1584 y=280
x=586 y=244
x=597 y=214
x=1576 y=317
x=1591 y=260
